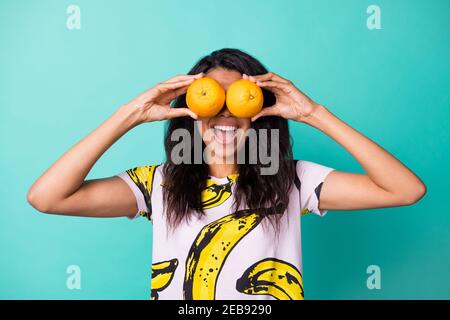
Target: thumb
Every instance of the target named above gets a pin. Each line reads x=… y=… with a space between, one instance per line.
x=269 y=111
x=181 y=112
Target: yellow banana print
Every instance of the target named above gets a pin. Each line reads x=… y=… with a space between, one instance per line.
x=215 y=194
x=143 y=178
x=304 y=212
x=162 y=275
x=210 y=250
x=274 y=277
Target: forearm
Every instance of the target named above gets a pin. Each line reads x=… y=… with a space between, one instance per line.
x=68 y=173
x=383 y=169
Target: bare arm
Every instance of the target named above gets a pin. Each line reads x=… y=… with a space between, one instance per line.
x=387 y=181
x=62 y=189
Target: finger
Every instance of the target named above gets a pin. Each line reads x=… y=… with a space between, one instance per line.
x=244 y=76
x=181 y=112
x=182 y=77
x=285 y=87
x=164 y=88
x=280 y=78
x=276 y=91
x=268 y=76
x=269 y=111
x=158 y=89
x=173 y=94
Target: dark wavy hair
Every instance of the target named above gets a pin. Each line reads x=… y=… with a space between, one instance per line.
x=268 y=194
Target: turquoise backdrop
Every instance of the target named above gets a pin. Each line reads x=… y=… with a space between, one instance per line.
x=57 y=84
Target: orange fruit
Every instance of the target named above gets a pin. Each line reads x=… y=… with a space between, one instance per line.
x=244 y=98
x=205 y=97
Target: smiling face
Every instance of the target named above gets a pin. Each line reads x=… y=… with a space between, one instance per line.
x=224 y=134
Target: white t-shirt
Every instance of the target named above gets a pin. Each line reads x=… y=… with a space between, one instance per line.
x=224 y=255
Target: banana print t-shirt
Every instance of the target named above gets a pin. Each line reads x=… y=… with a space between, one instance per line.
x=225 y=254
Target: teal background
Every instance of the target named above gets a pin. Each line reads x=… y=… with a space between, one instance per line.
x=56 y=85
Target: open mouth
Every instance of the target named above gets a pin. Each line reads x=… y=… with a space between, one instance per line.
x=225 y=134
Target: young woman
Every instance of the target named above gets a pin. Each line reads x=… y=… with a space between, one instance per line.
x=221 y=229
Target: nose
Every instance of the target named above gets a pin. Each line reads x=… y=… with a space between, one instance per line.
x=224 y=112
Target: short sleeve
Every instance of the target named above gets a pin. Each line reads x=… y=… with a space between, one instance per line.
x=140 y=181
x=310 y=180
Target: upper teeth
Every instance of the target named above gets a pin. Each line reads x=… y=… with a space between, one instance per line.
x=225 y=128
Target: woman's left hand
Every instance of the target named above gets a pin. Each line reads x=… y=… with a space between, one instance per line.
x=290 y=103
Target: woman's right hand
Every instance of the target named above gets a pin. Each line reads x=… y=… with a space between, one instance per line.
x=154 y=104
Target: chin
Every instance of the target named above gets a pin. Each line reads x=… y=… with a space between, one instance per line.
x=225 y=153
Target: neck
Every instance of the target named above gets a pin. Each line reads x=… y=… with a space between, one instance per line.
x=221 y=170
